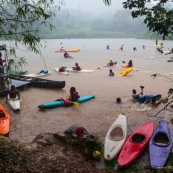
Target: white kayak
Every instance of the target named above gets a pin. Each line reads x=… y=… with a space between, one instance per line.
x=38 y=74
x=63 y=73
x=115 y=137
x=14 y=104
x=81 y=71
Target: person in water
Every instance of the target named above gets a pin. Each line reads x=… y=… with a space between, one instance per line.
x=136 y=95
x=107 y=47
x=13 y=93
x=159 y=47
x=77 y=67
x=66 y=55
x=130 y=64
x=122 y=47
x=62 y=69
x=134 y=49
x=143 y=47
x=73 y=94
x=111 y=63
x=111 y=73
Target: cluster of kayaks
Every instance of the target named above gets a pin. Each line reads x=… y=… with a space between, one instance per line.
x=127 y=149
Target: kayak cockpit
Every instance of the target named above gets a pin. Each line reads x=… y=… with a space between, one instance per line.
x=116 y=133
x=138 y=138
x=161 y=139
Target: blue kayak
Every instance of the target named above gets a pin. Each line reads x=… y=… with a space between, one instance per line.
x=61 y=102
x=160 y=145
x=147 y=98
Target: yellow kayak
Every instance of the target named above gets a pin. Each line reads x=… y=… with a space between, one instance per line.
x=71 y=50
x=125 y=72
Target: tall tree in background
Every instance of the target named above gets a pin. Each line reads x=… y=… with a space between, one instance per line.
x=20 y=20
x=158 y=16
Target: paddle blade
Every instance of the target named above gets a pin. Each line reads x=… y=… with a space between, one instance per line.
x=42 y=71
x=76 y=104
x=45 y=72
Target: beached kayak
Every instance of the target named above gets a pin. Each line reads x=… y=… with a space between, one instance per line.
x=14 y=104
x=136 y=144
x=40 y=74
x=148 y=98
x=63 y=73
x=70 y=50
x=4 y=122
x=160 y=145
x=81 y=71
x=62 y=103
x=115 y=137
x=125 y=72
x=126 y=66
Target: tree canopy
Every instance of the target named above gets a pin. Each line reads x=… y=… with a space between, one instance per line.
x=21 y=20
x=158 y=16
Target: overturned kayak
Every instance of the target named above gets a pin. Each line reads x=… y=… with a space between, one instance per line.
x=148 y=98
x=60 y=103
x=136 y=144
x=160 y=145
x=4 y=121
x=115 y=137
x=125 y=72
x=70 y=50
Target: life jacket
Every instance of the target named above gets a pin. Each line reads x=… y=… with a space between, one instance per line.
x=74 y=96
x=67 y=102
x=62 y=69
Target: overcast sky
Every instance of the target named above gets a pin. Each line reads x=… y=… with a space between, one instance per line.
x=93 y=6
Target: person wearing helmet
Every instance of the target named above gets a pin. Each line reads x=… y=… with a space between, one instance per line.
x=13 y=93
x=62 y=69
x=111 y=63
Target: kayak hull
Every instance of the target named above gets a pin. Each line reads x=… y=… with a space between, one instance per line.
x=136 y=144
x=115 y=137
x=126 y=66
x=54 y=104
x=14 y=104
x=160 y=145
x=148 y=98
x=81 y=71
x=4 y=122
x=125 y=72
x=70 y=50
x=38 y=74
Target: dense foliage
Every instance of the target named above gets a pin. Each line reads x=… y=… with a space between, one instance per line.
x=158 y=16
x=21 y=19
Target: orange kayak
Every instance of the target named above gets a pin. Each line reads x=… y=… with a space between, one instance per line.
x=4 y=121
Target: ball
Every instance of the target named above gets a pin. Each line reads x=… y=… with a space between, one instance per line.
x=96 y=154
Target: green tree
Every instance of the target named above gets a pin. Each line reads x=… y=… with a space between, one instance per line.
x=158 y=17
x=20 y=20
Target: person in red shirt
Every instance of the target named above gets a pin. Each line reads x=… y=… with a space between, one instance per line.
x=62 y=69
x=73 y=94
x=13 y=93
x=77 y=67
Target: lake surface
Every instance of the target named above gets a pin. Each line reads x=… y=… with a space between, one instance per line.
x=98 y=114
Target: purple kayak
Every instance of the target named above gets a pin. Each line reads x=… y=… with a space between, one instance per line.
x=160 y=145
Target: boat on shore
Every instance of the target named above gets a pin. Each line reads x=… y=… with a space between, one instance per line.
x=39 y=82
x=4 y=121
x=160 y=145
x=136 y=143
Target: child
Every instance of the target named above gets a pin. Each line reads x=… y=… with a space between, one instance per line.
x=111 y=73
x=62 y=69
x=73 y=94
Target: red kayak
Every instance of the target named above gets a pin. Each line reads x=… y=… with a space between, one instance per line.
x=136 y=144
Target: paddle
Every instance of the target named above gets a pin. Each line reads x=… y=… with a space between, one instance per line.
x=45 y=72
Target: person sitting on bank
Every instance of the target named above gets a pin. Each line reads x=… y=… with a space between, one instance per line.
x=77 y=67
x=111 y=73
x=66 y=55
x=111 y=63
x=73 y=94
x=62 y=69
x=13 y=93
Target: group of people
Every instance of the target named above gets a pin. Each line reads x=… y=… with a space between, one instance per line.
x=76 y=67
